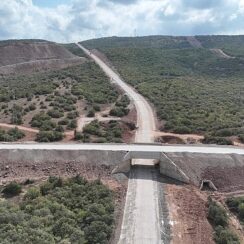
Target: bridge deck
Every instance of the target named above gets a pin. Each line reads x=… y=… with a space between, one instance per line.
x=126 y=147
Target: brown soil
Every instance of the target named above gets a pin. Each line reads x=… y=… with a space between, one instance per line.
x=188 y=210
x=22 y=57
x=226 y=179
x=21 y=51
x=170 y=140
x=225 y=171
x=185 y=138
x=40 y=65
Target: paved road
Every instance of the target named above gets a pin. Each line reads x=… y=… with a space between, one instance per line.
x=125 y=147
x=141 y=222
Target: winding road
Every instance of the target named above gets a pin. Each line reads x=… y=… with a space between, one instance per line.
x=141 y=223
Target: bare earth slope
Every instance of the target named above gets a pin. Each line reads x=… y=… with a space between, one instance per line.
x=28 y=56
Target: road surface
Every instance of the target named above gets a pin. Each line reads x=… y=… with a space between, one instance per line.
x=126 y=147
x=141 y=223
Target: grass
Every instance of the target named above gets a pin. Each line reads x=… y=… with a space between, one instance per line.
x=193 y=90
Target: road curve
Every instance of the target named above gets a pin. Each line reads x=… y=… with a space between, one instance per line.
x=141 y=223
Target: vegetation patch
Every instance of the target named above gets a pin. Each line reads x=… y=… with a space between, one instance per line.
x=54 y=97
x=193 y=90
x=101 y=132
x=219 y=220
x=236 y=205
x=60 y=211
x=11 y=135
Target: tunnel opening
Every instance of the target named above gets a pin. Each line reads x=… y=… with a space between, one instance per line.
x=207 y=185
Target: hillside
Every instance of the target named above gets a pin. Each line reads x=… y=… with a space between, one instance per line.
x=22 y=51
x=194 y=89
x=26 y=56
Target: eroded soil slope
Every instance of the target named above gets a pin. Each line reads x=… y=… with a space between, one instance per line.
x=21 y=51
x=225 y=171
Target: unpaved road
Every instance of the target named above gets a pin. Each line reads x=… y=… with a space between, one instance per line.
x=220 y=53
x=141 y=223
x=41 y=60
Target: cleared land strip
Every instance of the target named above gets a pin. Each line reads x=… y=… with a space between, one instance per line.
x=137 y=227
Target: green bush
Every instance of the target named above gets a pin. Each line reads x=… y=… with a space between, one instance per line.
x=32 y=107
x=54 y=113
x=119 y=111
x=241 y=138
x=72 y=115
x=49 y=136
x=217 y=140
x=63 y=121
x=217 y=215
x=17 y=114
x=72 y=124
x=91 y=113
x=241 y=211
x=11 y=135
x=225 y=236
x=12 y=189
x=32 y=193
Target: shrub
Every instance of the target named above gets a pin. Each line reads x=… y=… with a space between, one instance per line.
x=96 y=108
x=72 y=115
x=32 y=107
x=49 y=136
x=17 y=113
x=16 y=133
x=63 y=122
x=241 y=138
x=12 y=189
x=32 y=193
x=217 y=214
x=241 y=211
x=225 y=236
x=119 y=111
x=91 y=113
x=11 y=135
x=217 y=140
x=54 y=113
x=72 y=124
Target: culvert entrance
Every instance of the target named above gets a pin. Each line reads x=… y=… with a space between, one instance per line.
x=207 y=185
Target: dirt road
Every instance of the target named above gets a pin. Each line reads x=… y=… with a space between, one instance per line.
x=141 y=223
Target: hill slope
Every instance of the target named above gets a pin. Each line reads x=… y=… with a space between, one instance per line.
x=194 y=89
x=25 y=56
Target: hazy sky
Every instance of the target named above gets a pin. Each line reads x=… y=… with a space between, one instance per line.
x=75 y=20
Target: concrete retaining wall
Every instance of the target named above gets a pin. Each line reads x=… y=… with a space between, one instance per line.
x=38 y=155
x=170 y=169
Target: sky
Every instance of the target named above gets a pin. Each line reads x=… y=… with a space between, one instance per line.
x=75 y=20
